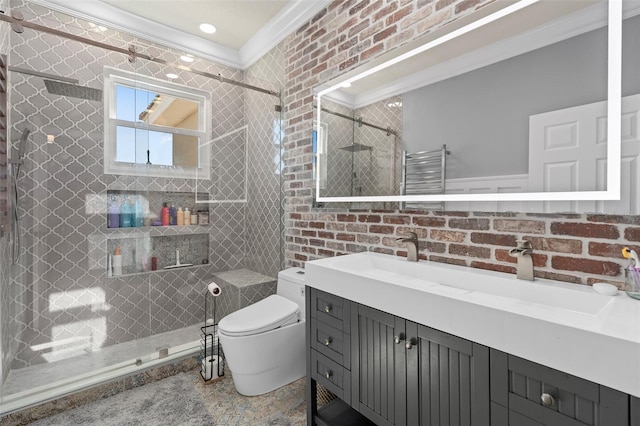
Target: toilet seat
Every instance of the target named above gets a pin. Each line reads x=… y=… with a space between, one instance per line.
x=268 y=314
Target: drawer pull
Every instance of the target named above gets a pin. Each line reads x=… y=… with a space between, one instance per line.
x=327 y=341
x=410 y=343
x=328 y=307
x=547 y=400
x=399 y=338
x=328 y=374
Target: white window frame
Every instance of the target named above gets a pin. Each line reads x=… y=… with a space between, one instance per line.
x=113 y=77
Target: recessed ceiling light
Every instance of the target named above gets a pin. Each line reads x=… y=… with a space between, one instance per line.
x=207 y=28
x=186 y=58
x=396 y=104
x=346 y=84
x=172 y=76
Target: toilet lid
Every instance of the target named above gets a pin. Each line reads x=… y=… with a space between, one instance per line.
x=268 y=314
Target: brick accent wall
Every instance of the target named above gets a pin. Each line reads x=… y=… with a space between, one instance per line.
x=573 y=248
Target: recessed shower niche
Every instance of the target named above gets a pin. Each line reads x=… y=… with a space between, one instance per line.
x=140 y=239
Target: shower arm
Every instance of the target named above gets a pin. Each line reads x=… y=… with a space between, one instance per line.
x=18 y=22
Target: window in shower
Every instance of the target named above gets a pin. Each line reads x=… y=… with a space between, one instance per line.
x=154 y=127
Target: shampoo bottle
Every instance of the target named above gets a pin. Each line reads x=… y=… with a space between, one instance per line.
x=139 y=212
x=173 y=215
x=180 y=217
x=126 y=213
x=113 y=213
x=165 y=215
x=187 y=216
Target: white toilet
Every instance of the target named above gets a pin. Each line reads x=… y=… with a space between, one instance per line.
x=264 y=343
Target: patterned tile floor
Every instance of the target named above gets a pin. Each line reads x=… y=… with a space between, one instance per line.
x=285 y=406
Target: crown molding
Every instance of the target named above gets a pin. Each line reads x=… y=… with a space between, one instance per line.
x=288 y=20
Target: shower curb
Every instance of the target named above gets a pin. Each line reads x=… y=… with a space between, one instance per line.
x=104 y=390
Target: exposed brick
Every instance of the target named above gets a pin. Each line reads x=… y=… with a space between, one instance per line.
x=381 y=229
x=429 y=221
x=586 y=230
x=465 y=5
x=308 y=233
x=619 y=284
x=310 y=250
x=470 y=251
x=335 y=245
x=325 y=252
x=557 y=276
x=317 y=225
x=338 y=40
x=399 y=15
x=356 y=227
x=441 y=4
x=335 y=226
x=345 y=237
x=319 y=15
x=356 y=248
x=371 y=8
x=368 y=239
x=448 y=213
x=403 y=231
x=383 y=250
x=391 y=7
x=475 y=224
x=493 y=239
x=302 y=257
x=348 y=44
x=372 y=51
x=315 y=242
x=384 y=34
x=358 y=7
x=518 y=225
x=559 y=245
x=433 y=247
x=613 y=251
x=346 y=217
x=632 y=234
x=325 y=234
x=348 y=63
x=446 y=235
x=369 y=218
x=359 y=27
x=397 y=219
x=612 y=218
x=539 y=260
x=590 y=266
x=493 y=267
x=449 y=260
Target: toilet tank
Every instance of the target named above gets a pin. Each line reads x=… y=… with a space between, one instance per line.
x=291 y=286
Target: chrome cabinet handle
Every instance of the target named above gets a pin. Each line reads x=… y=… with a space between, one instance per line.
x=410 y=343
x=399 y=338
x=547 y=400
x=328 y=307
x=327 y=341
x=328 y=374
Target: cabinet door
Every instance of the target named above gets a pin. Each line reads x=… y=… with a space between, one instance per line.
x=447 y=379
x=378 y=366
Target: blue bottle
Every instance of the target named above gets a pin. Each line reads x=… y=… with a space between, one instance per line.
x=113 y=213
x=139 y=212
x=126 y=213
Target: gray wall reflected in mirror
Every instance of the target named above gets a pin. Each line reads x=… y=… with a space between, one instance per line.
x=483 y=116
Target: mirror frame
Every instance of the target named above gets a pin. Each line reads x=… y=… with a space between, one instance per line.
x=614 y=100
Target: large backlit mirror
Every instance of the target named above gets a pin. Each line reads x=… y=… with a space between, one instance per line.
x=505 y=110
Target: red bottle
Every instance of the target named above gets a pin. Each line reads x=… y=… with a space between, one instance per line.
x=164 y=215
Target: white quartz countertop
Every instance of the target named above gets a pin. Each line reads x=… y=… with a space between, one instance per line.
x=564 y=326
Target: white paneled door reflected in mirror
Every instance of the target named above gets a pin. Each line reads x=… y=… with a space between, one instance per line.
x=522 y=99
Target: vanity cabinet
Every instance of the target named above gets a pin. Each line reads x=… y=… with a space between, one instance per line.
x=387 y=370
x=525 y=393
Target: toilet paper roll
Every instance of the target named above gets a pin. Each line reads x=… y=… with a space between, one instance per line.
x=214 y=289
x=210 y=367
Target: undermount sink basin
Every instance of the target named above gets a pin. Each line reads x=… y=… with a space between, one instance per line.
x=460 y=281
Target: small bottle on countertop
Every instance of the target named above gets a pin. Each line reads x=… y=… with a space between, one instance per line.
x=187 y=216
x=165 y=216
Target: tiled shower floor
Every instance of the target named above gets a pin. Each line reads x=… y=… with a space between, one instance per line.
x=36 y=375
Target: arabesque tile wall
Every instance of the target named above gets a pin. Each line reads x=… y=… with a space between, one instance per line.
x=574 y=248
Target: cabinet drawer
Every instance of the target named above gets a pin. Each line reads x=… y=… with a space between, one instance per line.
x=331 y=375
x=330 y=309
x=568 y=400
x=331 y=342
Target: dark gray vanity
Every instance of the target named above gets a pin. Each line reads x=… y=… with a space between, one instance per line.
x=386 y=370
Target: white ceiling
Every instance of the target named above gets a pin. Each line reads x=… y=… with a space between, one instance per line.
x=246 y=29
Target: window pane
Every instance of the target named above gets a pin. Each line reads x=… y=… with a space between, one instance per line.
x=126 y=145
x=125 y=105
x=161 y=148
x=171 y=111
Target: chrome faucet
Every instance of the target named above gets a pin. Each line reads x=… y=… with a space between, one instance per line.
x=523 y=253
x=412 y=246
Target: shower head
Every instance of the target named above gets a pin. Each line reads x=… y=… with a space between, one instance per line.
x=73 y=90
x=356 y=147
